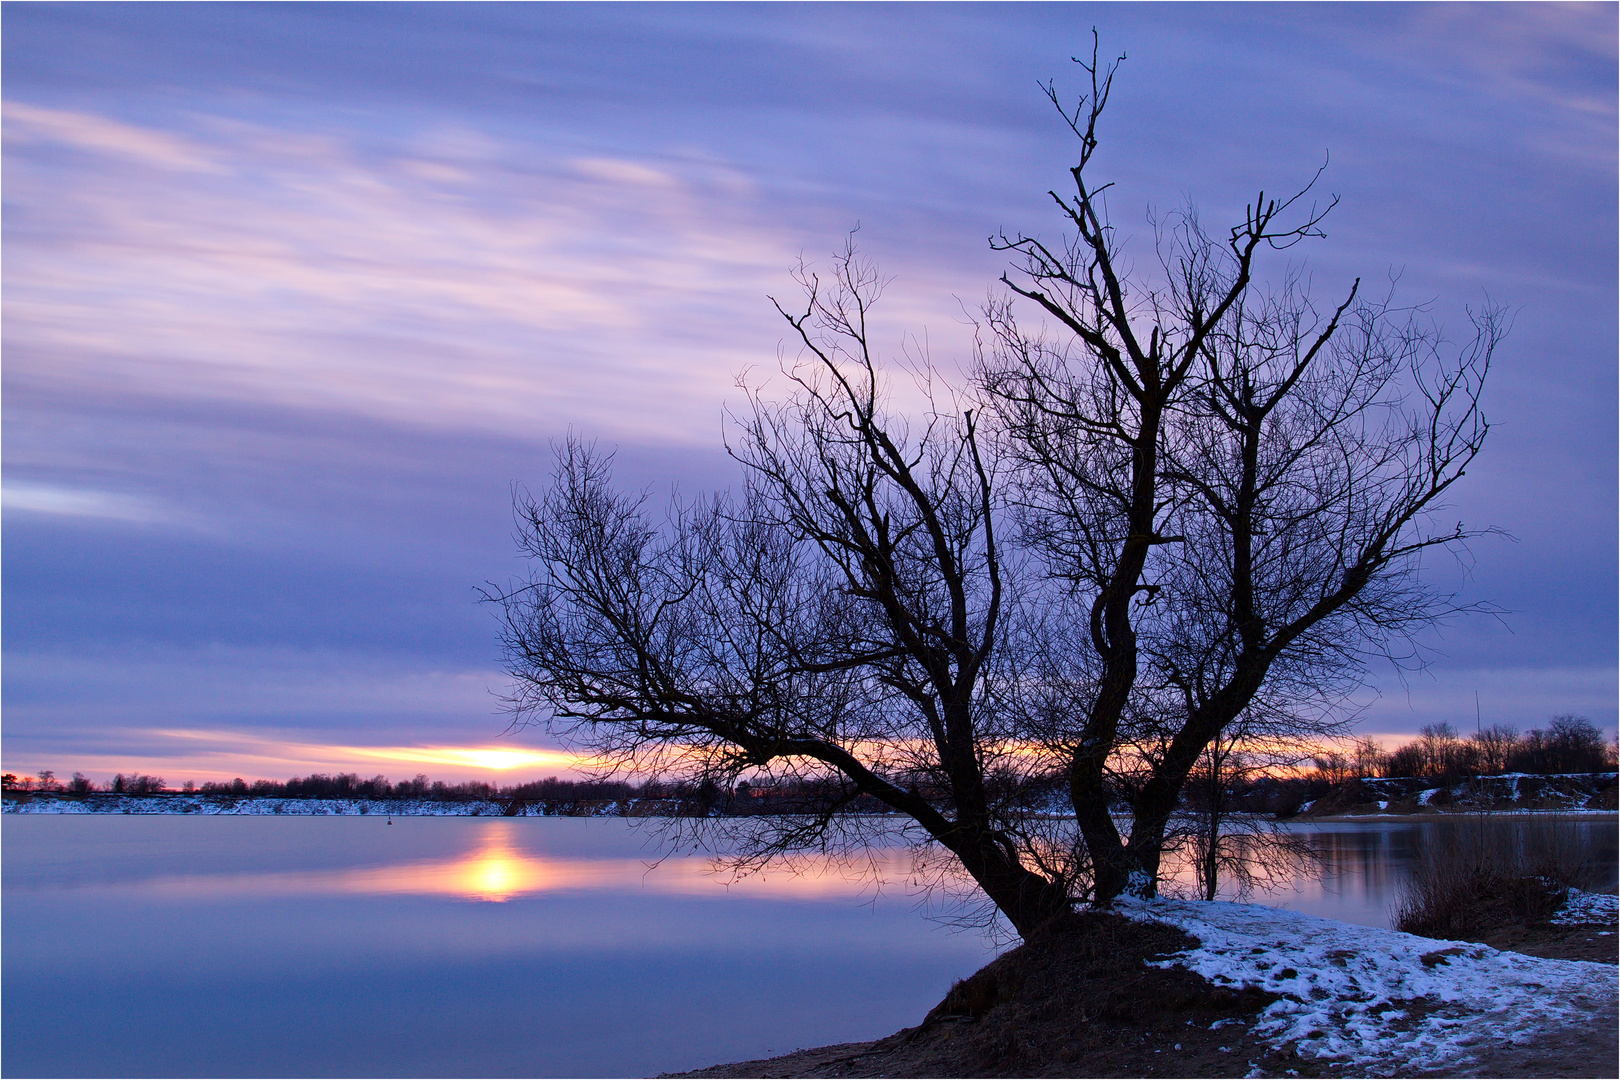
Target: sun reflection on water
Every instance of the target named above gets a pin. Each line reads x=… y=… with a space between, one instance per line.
x=496 y=872
x=500 y=868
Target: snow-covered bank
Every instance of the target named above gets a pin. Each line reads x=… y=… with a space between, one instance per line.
x=1584 y=908
x=1511 y=792
x=1381 y=1001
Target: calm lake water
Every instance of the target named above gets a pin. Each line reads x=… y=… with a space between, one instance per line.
x=343 y=946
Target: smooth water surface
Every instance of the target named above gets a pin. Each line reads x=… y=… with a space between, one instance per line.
x=1360 y=865
x=321 y=946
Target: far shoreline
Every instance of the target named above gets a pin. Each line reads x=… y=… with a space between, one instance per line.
x=187 y=804
x=178 y=805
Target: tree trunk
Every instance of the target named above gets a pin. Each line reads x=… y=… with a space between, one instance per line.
x=1212 y=855
x=1026 y=898
x=1111 y=865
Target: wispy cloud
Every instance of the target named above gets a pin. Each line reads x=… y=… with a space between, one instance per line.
x=459 y=282
x=220 y=752
x=104 y=137
x=330 y=304
x=78 y=502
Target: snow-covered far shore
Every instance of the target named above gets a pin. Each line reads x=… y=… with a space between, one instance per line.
x=1382 y=1002
x=188 y=803
x=185 y=803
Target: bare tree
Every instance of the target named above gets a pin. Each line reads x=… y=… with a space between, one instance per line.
x=1494 y=746
x=1234 y=485
x=1332 y=766
x=1228 y=491
x=1367 y=757
x=838 y=624
x=1224 y=845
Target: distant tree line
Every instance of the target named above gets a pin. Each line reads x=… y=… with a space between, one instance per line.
x=673 y=797
x=1568 y=744
x=351 y=786
x=45 y=780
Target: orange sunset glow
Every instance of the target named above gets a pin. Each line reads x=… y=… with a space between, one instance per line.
x=500 y=869
x=209 y=755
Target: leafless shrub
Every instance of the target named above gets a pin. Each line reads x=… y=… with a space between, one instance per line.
x=1474 y=875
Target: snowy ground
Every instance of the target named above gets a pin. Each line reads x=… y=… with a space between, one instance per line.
x=1584 y=908
x=1380 y=1001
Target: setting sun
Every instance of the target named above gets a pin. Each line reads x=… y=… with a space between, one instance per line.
x=502 y=759
x=498 y=759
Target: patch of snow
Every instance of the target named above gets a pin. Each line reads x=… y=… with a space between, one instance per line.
x=1584 y=908
x=1428 y=793
x=1378 y=1000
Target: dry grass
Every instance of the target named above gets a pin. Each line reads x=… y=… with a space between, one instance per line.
x=1474 y=877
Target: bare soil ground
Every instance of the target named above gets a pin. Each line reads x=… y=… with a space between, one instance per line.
x=1080 y=1000
x=1076 y=1000
x=1599 y=943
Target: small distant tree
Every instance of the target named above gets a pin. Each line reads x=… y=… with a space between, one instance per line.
x=1223 y=844
x=1445 y=755
x=414 y=788
x=1494 y=746
x=80 y=784
x=1332 y=767
x=1367 y=757
x=1568 y=744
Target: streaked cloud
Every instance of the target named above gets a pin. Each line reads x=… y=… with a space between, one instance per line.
x=1525 y=697
x=472 y=285
x=99 y=135
x=223 y=754
x=222 y=746
x=77 y=502
x=319 y=307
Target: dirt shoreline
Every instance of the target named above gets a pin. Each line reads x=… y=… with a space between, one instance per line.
x=1083 y=1001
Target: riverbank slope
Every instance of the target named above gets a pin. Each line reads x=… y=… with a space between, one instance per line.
x=1178 y=988
x=1405 y=795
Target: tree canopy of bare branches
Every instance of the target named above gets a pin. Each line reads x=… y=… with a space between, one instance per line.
x=1235 y=484
x=838 y=622
x=1176 y=517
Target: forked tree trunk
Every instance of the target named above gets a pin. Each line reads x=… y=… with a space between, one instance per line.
x=1027 y=899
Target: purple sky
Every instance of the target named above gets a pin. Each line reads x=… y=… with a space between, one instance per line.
x=293 y=295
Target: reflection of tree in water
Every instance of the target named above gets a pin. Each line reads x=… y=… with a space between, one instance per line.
x=1363 y=860
x=1373 y=860
x=1253 y=856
